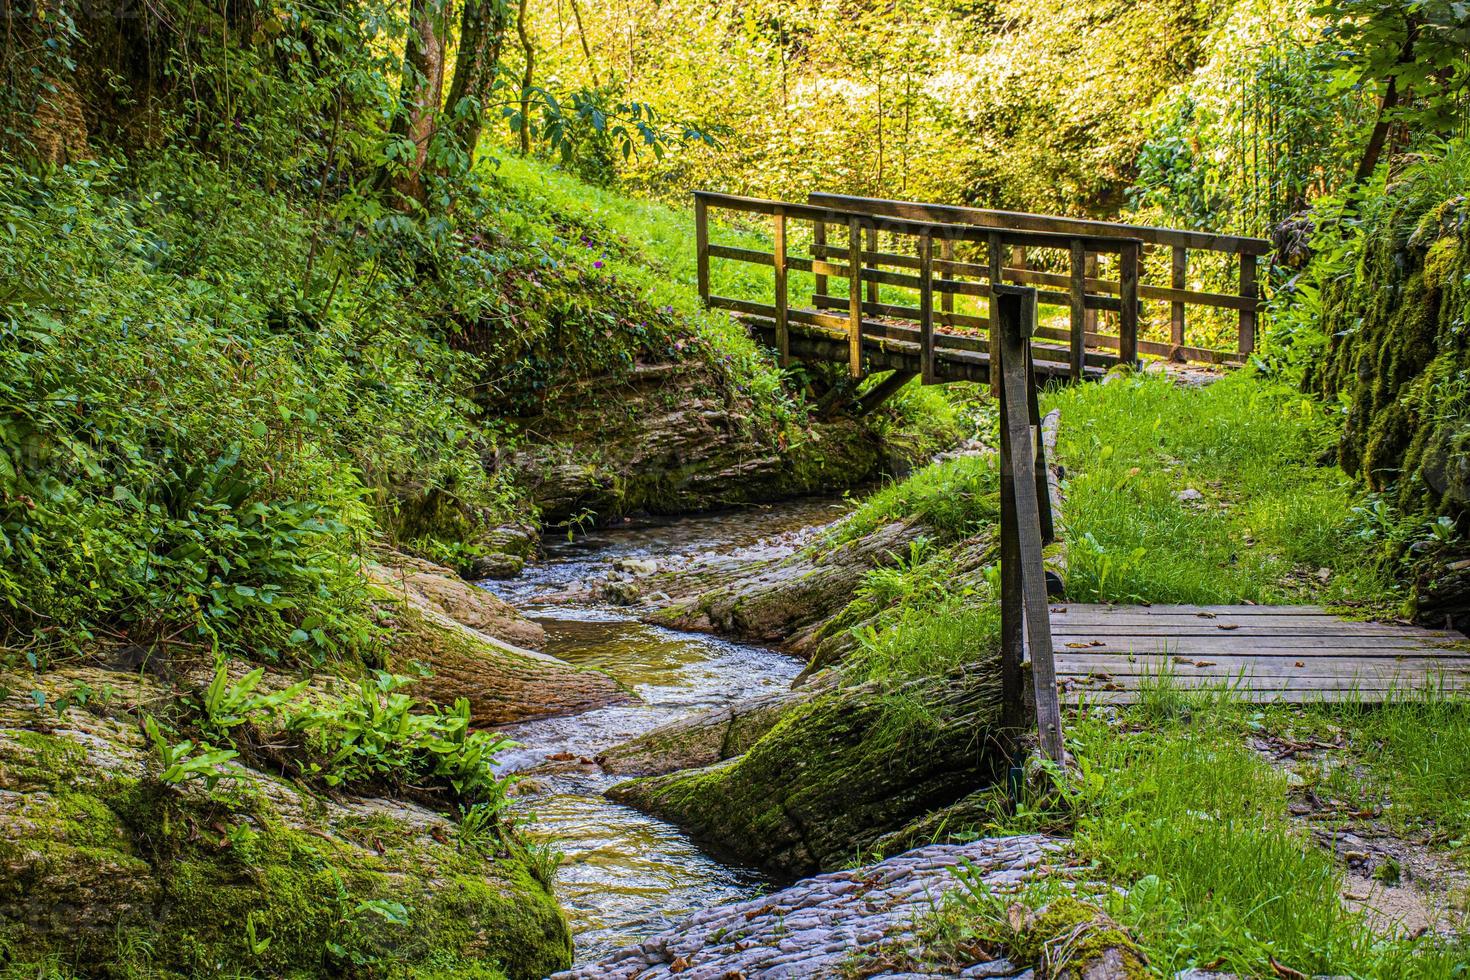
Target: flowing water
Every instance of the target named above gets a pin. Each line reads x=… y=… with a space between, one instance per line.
x=627 y=874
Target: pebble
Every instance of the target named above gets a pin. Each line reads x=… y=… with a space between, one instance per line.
x=840 y=914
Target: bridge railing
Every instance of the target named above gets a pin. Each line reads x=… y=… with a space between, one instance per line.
x=1244 y=252
x=931 y=270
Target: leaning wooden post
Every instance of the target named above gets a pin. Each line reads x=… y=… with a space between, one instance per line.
x=783 y=340
x=819 y=254
x=1014 y=702
x=1178 y=279
x=1128 y=304
x=926 y=308
x=701 y=246
x=1250 y=292
x=1078 y=300
x=1017 y=309
x=854 y=298
x=1090 y=271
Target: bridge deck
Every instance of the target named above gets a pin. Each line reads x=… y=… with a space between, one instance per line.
x=1296 y=654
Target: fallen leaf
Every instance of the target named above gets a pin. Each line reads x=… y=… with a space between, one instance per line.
x=1300 y=664
x=1078 y=646
x=1205 y=615
x=1204 y=663
x=679 y=965
x=1284 y=971
x=1227 y=626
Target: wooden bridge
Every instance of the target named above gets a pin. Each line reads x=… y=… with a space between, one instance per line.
x=1055 y=653
x=931 y=250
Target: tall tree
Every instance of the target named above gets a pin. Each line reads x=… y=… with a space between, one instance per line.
x=421 y=92
x=482 y=29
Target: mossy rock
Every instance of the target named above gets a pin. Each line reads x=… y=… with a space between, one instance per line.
x=105 y=871
x=837 y=773
x=1070 y=939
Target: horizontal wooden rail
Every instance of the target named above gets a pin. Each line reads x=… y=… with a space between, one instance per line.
x=1246 y=301
x=1050 y=224
x=902 y=226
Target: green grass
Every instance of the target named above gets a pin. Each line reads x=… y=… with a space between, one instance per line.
x=1172 y=805
x=954 y=499
x=1270 y=514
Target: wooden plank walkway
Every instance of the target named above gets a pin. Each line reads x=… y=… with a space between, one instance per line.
x=1296 y=654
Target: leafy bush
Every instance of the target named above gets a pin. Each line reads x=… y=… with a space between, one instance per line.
x=375 y=735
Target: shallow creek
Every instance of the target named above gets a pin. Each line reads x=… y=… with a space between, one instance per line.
x=627 y=874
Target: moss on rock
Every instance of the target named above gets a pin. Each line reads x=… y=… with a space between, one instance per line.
x=107 y=871
x=837 y=773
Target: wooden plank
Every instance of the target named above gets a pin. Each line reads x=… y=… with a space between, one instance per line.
x=987 y=218
x=783 y=338
x=908 y=312
x=1078 y=340
x=1248 y=291
x=1178 y=279
x=701 y=247
x=1105 y=698
x=1253 y=646
x=1257 y=626
x=926 y=310
x=1091 y=273
x=854 y=299
x=1128 y=314
x=1185 y=609
x=1068 y=663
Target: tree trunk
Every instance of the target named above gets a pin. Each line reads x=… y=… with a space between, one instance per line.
x=527 y=77
x=1379 y=136
x=421 y=93
x=481 y=34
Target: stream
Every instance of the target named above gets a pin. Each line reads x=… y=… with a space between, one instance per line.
x=625 y=874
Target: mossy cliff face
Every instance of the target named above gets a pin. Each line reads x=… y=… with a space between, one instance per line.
x=838 y=772
x=666 y=439
x=1399 y=356
x=104 y=871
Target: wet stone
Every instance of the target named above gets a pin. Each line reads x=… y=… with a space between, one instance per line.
x=761 y=938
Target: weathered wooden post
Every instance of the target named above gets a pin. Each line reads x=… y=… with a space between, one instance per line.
x=1128 y=303
x=1025 y=520
x=854 y=297
x=926 y=307
x=1248 y=291
x=701 y=245
x=1078 y=302
x=1178 y=279
x=819 y=254
x=783 y=339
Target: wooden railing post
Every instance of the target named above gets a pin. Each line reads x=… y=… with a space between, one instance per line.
x=1178 y=279
x=926 y=308
x=992 y=252
x=872 y=236
x=1089 y=320
x=701 y=247
x=1128 y=303
x=783 y=338
x=819 y=245
x=1021 y=541
x=1079 y=310
x=854 y=298
x=946 y=252
x=1248 y=290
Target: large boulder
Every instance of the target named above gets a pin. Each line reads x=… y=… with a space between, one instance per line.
x=113 y=872
x=663 y=439
x=453 y=632
x=837 y=773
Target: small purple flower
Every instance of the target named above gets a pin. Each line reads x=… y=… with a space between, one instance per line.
x=597 y=264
